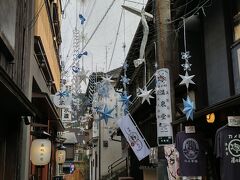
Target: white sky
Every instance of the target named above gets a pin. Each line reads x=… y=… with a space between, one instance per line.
x=105 y=34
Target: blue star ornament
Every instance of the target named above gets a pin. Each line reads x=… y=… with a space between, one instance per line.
x=188 y=108
x=63 y=93
x=105 y=113
x=125 y=99
x=82 y=19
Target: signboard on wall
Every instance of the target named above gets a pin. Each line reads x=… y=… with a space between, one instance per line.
x=163 y=107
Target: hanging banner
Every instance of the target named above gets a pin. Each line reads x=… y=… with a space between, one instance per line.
x=134 y=137
x=172 y=158
x=163 y=107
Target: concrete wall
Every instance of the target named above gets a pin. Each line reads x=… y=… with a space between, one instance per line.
x=113 y=151
x=216 y=53
x=8 y=20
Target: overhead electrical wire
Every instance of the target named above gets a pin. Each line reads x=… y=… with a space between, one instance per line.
x=135 y=2
x=95 y=30
x=64 y=9
x=192 y=12
x=116 y=38
x=90 y=13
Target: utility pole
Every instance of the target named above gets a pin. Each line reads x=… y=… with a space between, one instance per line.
x=165 y=53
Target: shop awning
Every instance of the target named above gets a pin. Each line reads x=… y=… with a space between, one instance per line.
x=46 y=110
x=13 y=100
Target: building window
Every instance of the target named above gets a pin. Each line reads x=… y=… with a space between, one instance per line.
x=236 y=20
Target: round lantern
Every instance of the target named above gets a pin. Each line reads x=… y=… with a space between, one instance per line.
x=40 y=152
x=60 y=156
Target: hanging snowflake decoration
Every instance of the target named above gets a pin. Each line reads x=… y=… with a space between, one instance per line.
x=125 y=80
x=186 y=55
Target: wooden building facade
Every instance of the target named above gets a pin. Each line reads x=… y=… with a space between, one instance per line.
x=212 y=36
x=29 y=74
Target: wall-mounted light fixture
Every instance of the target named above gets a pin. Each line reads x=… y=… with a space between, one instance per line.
x=210 y=118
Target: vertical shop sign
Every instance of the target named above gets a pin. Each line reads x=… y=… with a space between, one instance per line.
x=163 y=107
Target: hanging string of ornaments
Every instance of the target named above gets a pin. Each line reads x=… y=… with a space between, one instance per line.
x=144 y=93
x=189 y=105
x=103 y=92
x=124 y=97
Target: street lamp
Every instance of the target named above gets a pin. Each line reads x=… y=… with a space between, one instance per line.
x=60 y=156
